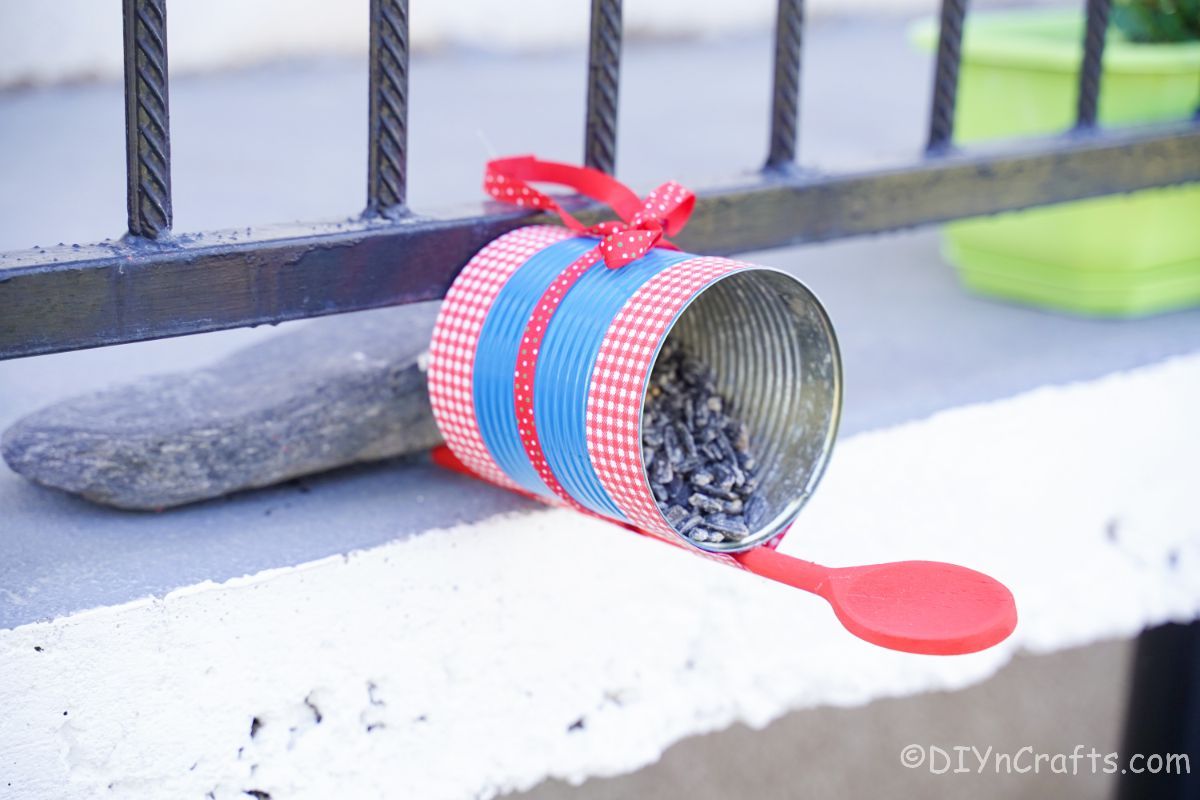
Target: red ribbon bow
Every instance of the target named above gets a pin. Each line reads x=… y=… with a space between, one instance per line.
x=643 y=224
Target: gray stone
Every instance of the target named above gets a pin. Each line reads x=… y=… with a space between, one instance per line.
x=337 y=391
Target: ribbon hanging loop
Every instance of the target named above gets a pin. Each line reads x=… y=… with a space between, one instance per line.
x=642 y=224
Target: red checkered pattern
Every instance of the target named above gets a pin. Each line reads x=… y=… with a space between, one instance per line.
x=615 y=396
x=456 y=336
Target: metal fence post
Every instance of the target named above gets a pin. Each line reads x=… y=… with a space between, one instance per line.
x=604 y=74
x=785 y=97
x=387 y=161
x=147 y=125
x=945 y=76
x=1091 y=67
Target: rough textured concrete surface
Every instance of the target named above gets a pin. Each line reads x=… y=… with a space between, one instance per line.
x=337 y=391
x=483 y=658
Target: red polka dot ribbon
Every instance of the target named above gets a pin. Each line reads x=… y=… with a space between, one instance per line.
x=643 y=224
x=527 y=353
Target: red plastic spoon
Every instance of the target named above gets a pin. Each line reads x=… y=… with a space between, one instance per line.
x=916 y=606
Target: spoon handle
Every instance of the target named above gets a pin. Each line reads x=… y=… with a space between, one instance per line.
x=806 y=575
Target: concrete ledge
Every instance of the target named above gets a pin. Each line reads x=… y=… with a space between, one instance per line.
x=482 y=659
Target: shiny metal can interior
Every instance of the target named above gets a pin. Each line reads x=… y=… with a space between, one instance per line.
x=775 y=357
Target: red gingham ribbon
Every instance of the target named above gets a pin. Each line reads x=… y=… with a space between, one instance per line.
x=456 y=338
x=643 y=224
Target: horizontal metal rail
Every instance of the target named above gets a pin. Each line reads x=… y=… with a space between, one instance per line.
x=63 y=298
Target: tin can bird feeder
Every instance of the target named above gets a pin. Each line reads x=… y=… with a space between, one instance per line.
x=546 y=376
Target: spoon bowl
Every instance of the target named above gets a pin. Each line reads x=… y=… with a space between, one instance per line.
x=926 y=607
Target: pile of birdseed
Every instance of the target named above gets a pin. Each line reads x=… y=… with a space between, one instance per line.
x=697 y=456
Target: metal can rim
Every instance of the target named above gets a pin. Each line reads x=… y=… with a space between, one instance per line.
x=782 y=521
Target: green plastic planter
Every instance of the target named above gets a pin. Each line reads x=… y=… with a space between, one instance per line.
x=1128 y=255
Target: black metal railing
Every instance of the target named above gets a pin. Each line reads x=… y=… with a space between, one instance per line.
x=153 y=284
x=785 y=97
x=945 y=75
x=147 y=119
x=1096 y=27
x=387 y=164
x=604 y=72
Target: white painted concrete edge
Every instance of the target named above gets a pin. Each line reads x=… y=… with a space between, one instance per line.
x=472 y=661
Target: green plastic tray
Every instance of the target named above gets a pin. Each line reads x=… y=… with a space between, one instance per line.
x=1129 y=255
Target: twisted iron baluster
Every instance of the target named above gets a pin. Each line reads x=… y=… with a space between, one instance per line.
x=1093 y=59
x=785 y=102
x=945 y=78
x=604 y=70
x=147 y=127
x=387 y=168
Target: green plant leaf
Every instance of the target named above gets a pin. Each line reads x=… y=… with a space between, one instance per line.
x=1157 y=21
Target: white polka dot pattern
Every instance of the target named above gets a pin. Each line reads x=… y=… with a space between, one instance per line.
x=456 y=337
x=615 y=395
x=526 y=372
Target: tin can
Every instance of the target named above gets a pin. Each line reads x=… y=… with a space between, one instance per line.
x=769 y=341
